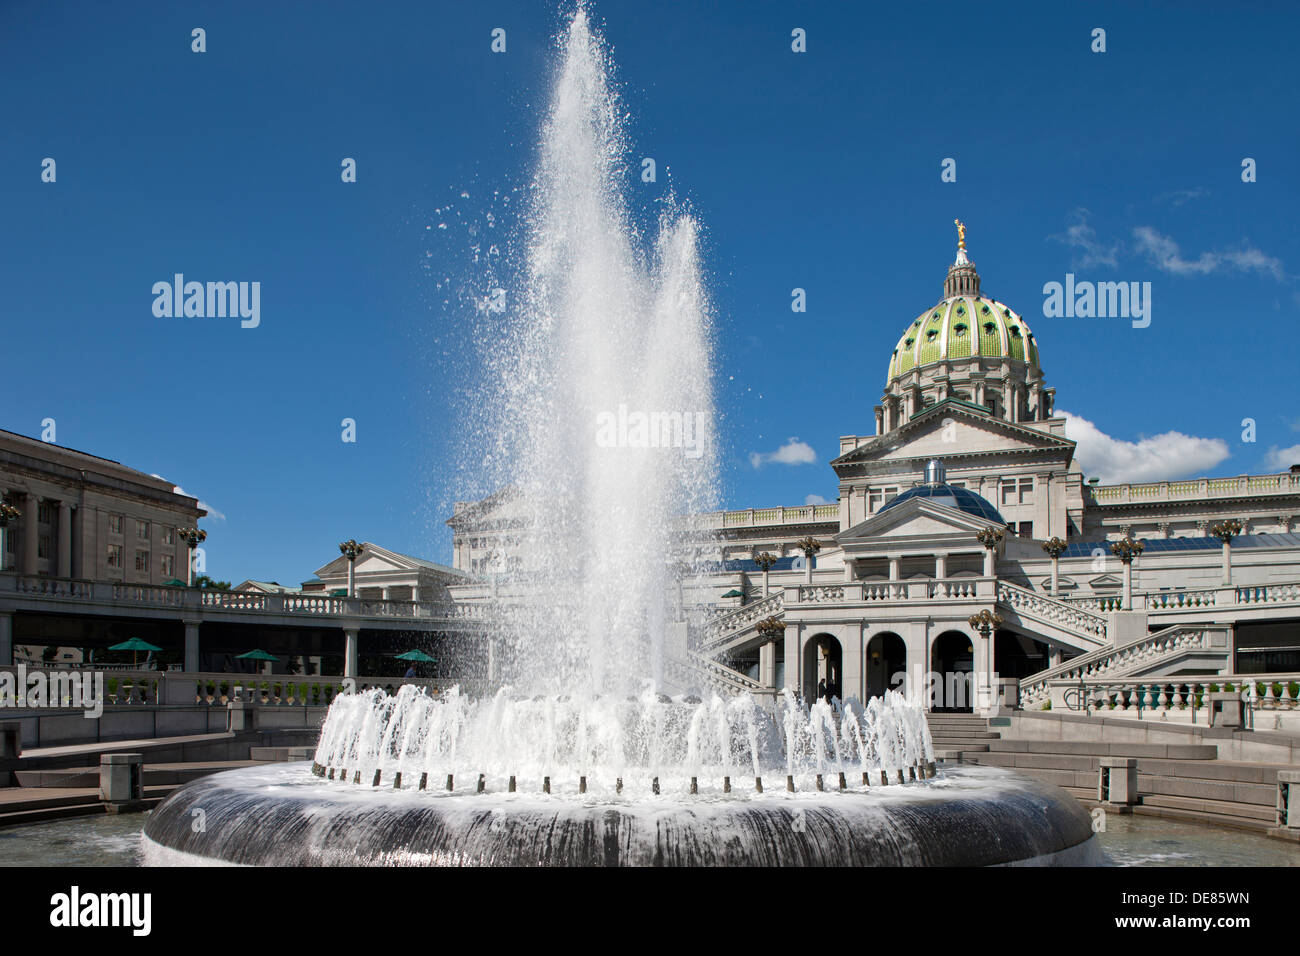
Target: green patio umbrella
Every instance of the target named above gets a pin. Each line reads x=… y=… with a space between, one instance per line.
x=734 y=593
x=174 y=583
x=419 y=656
x=257 y=654
x=135 y=645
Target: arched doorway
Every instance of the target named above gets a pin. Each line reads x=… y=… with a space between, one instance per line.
x=822 y=661
x=886 y=660
x=952 y=665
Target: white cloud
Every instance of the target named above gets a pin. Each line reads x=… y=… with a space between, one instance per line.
x=1156 y=458
x=1281 y=459
x=212 y=512
x=1165 y=254
x=1180 y=196
x=1088 y=250
x=815 y=500
x=793 y=452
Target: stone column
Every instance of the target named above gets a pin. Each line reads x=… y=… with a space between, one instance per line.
x=415 y=593
x=31 y=515
x=1227 y=561
x=1054 y=656
x=1056 y=575
x=793 y=659
x=65 y=540
x=350 y=643
x=940 y=566
x=386 y=593
x=767 y=664
x=1128 y=585
x=192 y=646
x=766 y=585
x=990 y=562
x=6 y=638
x=894 y=567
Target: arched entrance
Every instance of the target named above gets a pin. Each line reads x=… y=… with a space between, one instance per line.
x=886 y=660
x=822 y=661
x=952 y=664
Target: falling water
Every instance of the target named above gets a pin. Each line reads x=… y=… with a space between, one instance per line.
x=601 y=332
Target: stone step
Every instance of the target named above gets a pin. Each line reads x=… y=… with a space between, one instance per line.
x=1217 y=791
x=1201 y=816
x=957 y=743
x=1101 y=749
x=160 y=775
x=1262 y=815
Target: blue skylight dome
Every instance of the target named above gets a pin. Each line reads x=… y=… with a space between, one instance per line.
x=950 y=496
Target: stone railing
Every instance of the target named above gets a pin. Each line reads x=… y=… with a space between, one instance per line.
x=1187 y=599
x=1069 y=617
x=124 y=687
x=1201 y=488
x=716 y=675
x=182 y=598
x=1264 y=692
x=1114 y=662
x=757 y=517
x=736 y=620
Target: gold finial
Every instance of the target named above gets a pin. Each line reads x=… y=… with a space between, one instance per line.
x=961 y=233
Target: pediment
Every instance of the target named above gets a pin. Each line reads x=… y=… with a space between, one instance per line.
x=914 y=518
x=373 y=560
x=1104 y=581
x=951 y=430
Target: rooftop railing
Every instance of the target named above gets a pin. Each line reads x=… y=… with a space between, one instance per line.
x=1198 y=488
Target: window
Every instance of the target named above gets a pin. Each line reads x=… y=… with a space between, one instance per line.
x=1026 y=529
x=45 y=512
x=169 y=536
x=877 y=498
x=142 y=561
x=142 y=530
x=1017 y=491
x=43 y=546
x=168 y=566
x=114 y=524
x=115 y=556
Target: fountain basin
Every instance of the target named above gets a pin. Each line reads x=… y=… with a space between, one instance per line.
x=285 y=816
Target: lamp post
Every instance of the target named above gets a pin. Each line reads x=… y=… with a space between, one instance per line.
x=986 y=622
x=191 y=537
x=1126 y=550
x=771 y=630
x=1054 y=546
x=765 y=561
x=351 y=550
x=809 y=546
x=989 y=537
x=1225 y=531
x=8 y=512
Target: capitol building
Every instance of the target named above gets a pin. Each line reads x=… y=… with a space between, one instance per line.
x=969 y=560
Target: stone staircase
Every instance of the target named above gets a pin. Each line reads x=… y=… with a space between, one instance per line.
x=1178 y=781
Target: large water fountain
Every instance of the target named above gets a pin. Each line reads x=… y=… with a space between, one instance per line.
x=582 y=758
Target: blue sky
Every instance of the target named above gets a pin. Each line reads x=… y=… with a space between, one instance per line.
x=818 y=170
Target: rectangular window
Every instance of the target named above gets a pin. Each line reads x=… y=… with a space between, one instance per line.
x=169 y=536
x=43 y=546
x=1026 y=529
x=115 y=556
x=168 y=566
x=1017 y=491
x=142 y=561
x=142 y=530
x=114 y=524
x=45 y=512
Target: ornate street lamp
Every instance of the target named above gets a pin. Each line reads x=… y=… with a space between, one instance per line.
x=985 y=621
x=765 y=561
x=809 y=546
x=989 y=537
x=770 y=628
x=1126 y=550
x=7 y=513
x=1225 y=531
x=191 y=537
x=351 y=550
x=1054 y=546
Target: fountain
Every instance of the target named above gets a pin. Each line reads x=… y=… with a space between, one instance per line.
x=581 y=758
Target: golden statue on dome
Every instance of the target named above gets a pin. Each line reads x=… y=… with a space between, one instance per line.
x=961 y=233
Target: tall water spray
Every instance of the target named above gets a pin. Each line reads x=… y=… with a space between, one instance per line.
x=600 y=396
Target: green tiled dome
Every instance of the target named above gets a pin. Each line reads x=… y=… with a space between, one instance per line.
x=962 y=327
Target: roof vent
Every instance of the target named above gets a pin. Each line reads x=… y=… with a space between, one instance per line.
x=934 y=472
